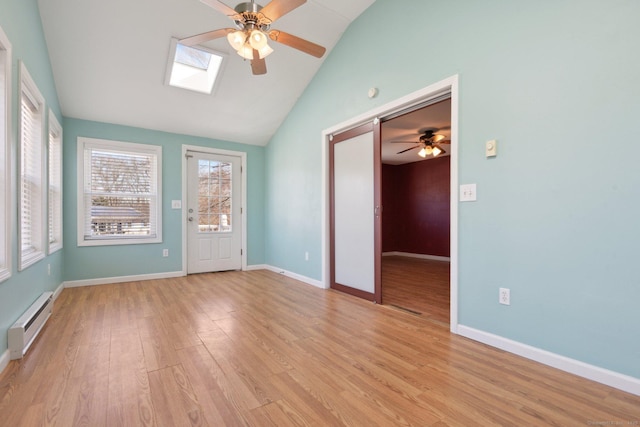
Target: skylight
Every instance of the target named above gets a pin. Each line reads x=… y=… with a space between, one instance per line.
x=193 y=68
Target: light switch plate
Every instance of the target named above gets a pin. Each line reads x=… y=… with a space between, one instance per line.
x=491 y=148
x=176 y=204
x=468 y=193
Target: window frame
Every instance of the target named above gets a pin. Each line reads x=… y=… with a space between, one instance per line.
x=171 y=62
x=29 y=90
x=85 y=143
x=55 y=161
x=6 y=61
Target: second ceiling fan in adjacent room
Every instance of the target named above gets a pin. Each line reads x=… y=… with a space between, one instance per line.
x=429 y=144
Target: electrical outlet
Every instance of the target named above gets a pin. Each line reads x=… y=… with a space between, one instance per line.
x=306 y=256
x=504 y=296
x=165 y=252
x=48 y=269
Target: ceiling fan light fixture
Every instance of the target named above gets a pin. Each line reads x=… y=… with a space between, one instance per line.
x=237 y=40
x=246 y=51
x=253 y=23
x=258 y=39
x=436 y=151
x=265 y=51
x=423 y=152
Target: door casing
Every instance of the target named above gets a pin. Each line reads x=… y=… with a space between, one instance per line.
x=208 y=150
x=448 y=85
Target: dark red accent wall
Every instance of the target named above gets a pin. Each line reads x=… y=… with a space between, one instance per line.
x=416 y=210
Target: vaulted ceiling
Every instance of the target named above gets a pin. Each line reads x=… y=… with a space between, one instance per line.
x=109 y=61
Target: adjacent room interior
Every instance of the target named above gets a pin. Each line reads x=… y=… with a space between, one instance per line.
x=416 y=217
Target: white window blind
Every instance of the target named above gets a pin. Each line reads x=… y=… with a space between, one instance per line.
x=31 y=173
x=121 y=192
x=55 y=184
x=5 y=174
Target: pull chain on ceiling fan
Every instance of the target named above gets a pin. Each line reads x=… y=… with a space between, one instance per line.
x=253 y=23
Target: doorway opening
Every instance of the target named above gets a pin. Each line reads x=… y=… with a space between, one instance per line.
x=444 y=89
x=416 y=196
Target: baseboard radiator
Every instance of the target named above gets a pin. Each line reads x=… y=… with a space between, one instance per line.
x=27 y=327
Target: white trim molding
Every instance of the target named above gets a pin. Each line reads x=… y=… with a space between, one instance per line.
x=6 y=144
x=122 y=279
x=566 y=364
x=420 y=256
x=4 y=360
x=84 y=150
x=58 y=291
x=292 y=275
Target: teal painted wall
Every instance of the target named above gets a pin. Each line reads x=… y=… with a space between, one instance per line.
x=124 y=260
x=556 y=221
x=20 y=21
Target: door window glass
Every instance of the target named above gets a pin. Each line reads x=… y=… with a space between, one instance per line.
x=214 y=196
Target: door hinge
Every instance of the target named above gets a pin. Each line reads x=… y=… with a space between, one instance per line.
x=240 y=251
x=241 y=211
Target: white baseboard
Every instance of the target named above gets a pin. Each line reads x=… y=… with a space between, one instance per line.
x=58 y=291
x=256 y=267
x=576 y=367
x=305 y=279
x=121 y=279
x=4 y=360
x=421 y=256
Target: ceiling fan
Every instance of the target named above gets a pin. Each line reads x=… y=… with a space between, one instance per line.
x=253 y=29
x=429 y=144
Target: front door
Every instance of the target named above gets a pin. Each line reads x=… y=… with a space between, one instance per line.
x=214 y=227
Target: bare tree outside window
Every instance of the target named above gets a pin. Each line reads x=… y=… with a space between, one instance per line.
x=214 y=196
x=121 y=193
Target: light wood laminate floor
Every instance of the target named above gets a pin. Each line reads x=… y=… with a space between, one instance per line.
x=418 y=285
x=256 y=348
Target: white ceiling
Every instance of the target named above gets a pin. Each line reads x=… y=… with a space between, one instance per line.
x=109 y=60
x=409 y=127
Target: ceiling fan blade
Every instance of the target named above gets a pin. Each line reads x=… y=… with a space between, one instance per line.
x=258 y=65
x=404 y=142
x=408 y=149
x=205 y=37
x=220 y=7
x=297 y=43
x=278 y=8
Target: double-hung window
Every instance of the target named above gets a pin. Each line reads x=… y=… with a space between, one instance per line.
x=5 y=150
x=55 y=184
x=32 y=175
x=119 y=193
